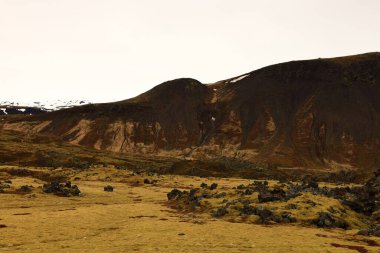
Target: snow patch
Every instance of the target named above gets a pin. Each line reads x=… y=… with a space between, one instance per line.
x=45 y=105
x=238 y=78
x=4 y=110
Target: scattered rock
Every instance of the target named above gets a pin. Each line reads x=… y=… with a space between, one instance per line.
x=260 y=186
x=327 y=220
x=265 y=214
x=108 y=188
x=287 y=217
x=213 y=186
x=4 y=186
x=204 y=185
x=220 y=212
x=174 y=194
x=370 y=232
x=65 y=190
x=248 y=191
x=25 y=189
x=220 y=195
x=310 y=182
x=248 y=210
x=274 y=195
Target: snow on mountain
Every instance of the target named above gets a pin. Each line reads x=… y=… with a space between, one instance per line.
x=22 y=107
x=238 y=78
x=44 y=105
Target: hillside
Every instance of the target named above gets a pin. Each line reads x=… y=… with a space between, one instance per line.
x=314 y=113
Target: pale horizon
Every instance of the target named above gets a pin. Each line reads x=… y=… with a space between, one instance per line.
x=113 y=50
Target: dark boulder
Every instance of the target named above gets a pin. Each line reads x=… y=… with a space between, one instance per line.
x=327 y=220
x=248 y=210
x=274 y=195
x=265 y=214
x=220 y=195
x=108 y=188
x=220 y=212
x=370 y=232
x=213 y=186
x=287 y=217
x=260 y=186
x=65 y=190
x=204 y=185
x=174 y=194
x=147 y=181
x=25 y=189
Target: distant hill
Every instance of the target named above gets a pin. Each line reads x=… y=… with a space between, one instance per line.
x=313 y=113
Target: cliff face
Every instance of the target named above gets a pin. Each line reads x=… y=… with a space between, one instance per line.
x=323 y=112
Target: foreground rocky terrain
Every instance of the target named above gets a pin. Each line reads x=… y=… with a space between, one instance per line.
x=143 y=213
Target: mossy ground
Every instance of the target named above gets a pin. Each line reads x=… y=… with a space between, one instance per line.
x=135 y=217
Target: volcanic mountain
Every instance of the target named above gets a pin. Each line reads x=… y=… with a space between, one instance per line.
x=312 y=113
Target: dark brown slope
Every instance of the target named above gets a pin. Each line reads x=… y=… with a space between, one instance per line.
x=317 y=110
x=166 y=117
x=322 y=112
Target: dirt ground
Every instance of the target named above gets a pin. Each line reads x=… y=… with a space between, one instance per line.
x=135 y=217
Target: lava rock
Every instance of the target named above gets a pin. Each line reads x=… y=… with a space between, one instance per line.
x=370 y=232
x=213 y=186
x=327 y=220
x=260 y=186
x=108 y=188
x=147 y=181
x=204 y=185
x=175 y=193
x=248 y=210
x=274 y=195
x=220 y=195
x=265 y=214
x=310 y=182
x=248 y=191
x=25 y=189
x=65 y=190
x=287 y=217
x=220 y=212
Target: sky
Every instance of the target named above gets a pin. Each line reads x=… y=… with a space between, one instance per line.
x=109 y=50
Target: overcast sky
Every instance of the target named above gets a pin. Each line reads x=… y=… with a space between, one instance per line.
x=106 y=50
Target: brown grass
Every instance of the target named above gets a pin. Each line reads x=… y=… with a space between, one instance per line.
x=112 y=222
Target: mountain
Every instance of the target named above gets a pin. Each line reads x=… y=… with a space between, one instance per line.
x=321 y=113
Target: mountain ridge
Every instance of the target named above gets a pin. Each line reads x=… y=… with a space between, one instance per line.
x=311 y=113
